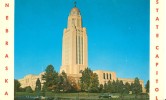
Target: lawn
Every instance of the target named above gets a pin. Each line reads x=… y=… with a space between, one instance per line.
x=80 y=96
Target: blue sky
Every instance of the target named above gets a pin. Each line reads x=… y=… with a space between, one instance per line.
x=118 y=35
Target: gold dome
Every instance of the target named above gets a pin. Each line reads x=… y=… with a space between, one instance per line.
x=75 y=11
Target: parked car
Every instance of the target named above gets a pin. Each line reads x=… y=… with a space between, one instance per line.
x=105 y=95
x=115 y=96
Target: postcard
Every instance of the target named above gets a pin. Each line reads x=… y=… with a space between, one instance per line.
x=82 y=50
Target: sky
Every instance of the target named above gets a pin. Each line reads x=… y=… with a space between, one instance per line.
x=117 y=30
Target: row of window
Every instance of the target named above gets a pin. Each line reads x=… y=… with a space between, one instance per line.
x=107 y=76
x=79 y=51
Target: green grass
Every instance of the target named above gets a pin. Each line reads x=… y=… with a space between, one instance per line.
x=82 y=96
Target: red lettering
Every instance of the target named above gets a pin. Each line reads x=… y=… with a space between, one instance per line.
x=156 y=89
x=156 y=80
x=157 y=1
x=157 y=56
x=157 y=47
x=6 y=43
x=6 y=93
x=157 y=9
x=157 y=64
x=157 y=19
x=6 y=56
x=6 y=68
x=157 y=26
x=6 y=80
x=7 y=30
x=157 y=35
x=7 y=17
x=156 y=72
x=6 y=4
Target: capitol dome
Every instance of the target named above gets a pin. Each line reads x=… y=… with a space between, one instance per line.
x=75 y=11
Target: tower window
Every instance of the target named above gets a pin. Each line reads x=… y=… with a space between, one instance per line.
x=76 y=50
x=104 y=75
x=107 y=75
x=110 y=77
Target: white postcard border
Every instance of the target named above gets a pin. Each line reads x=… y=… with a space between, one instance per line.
x=157 y=53
x=6 y=49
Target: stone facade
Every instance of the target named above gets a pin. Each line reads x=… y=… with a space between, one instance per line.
x=105 y=76
x=132 y=81
x=30 y=80
x=74 y=46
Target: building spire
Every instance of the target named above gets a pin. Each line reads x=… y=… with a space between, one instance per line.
x=75 y=3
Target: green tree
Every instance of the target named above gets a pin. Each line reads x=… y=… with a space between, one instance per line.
x=22 y=89
x=113 y=87
x=89 y=81
x=131 y=87
x=117 y=88
x=105 y=89
x=85 y=79
x=16 y=85
x=74 y=85
x=121 y=89
x=109 y=85
x=137 y=87
x=127 y=87
x=147 y=87
x=38 y=85
x=94 y=83
x=50 y=78
x=101 y=88
x=28 y=89
x=63 y=83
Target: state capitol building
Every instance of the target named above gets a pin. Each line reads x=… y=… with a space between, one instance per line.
x=75 y=54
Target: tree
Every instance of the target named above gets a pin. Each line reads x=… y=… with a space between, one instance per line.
x=28 y=89
x=101 y=88
x=113 y=87
x=94 y=83
x=105 y=87
x=147 y=87
x=38 y=85
x=109 y=85
x=136 y=88
x=121 y=89
x=22 y=89
x=63 y=83
x=51 y=78
x=89 y=81
x=127 y=87
x=74 y=86
x=117 y=88
x=85 y=79
x=16 y=85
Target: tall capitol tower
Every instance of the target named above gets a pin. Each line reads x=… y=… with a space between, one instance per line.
x=74 y=45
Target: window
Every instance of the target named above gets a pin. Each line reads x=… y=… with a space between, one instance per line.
x=104 y=75
x=107 y=75
x=110 y=77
